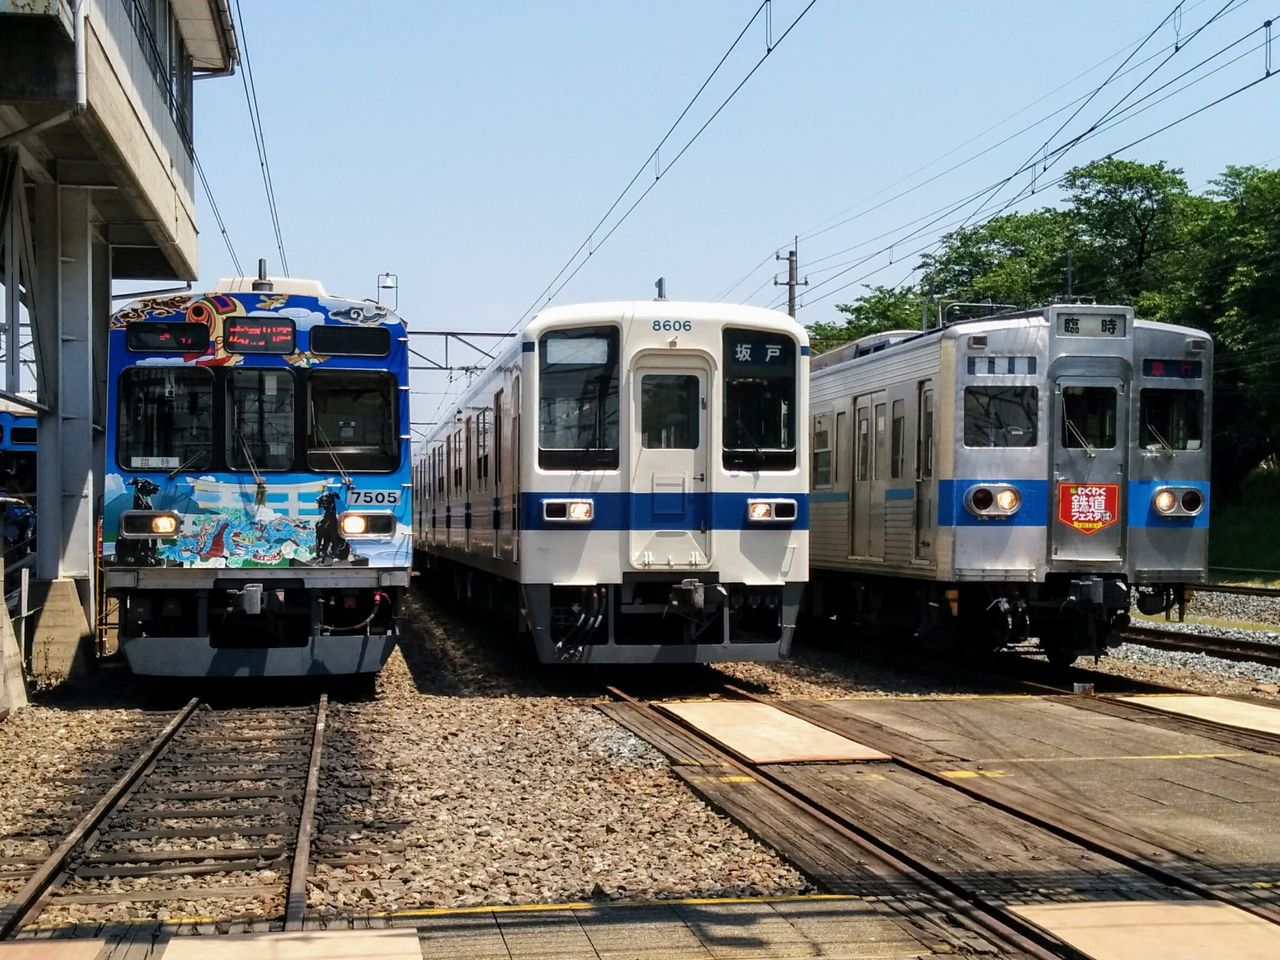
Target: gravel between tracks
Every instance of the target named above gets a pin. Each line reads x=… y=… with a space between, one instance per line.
x=507 y=786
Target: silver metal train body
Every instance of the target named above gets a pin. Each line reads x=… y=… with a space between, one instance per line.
x=1023 y=475
x=631 y=480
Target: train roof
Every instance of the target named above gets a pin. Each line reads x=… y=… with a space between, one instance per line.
x=299 y=299
x=663 y=309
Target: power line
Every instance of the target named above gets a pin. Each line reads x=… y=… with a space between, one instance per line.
x=217 y=214
x=255 y=120
x=654 y=156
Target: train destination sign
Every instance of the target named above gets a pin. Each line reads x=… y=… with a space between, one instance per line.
x=258 y=335
x=163 y=336
x=1088 y=507
x=1092 y=325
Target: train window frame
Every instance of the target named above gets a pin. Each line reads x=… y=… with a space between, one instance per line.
x=757 y=385
x=388 y=458
x=925 y=432
x=1168 y=438
x=28 y=435
x=1084 y=436
x=897 y=439
x=682 y=433
x=269 y=350
x=323 y=331
x=123 y=385
x=151 y=326
x=823 y=451
x=862 y=444
x=603 y=449
x=842 y=418
x=1029 y=404
x=497 y=438
x=232 y=430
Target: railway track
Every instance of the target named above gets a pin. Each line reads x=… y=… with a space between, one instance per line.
x=1241 y=650
x=219 y=806
x=894 y=839
x=1237 y=588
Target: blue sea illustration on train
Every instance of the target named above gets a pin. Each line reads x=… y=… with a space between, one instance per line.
x=256 y=511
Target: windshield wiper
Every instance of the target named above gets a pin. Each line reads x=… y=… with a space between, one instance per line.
x=746 y=434
x=1161 y=440
x=1088 y=448
x=329 y=448
x=186 y=463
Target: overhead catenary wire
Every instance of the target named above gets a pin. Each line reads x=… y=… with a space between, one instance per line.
x=259 y=138
x=548 y=293
x=217 y=214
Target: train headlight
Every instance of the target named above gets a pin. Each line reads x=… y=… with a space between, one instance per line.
x=992 y=501
x=1178 y=501
x=1192 y=501
x=370 y=525
x=569 y=511
x=164 y=524
x=772 y=511
x=1166 y=501
x=354 y=524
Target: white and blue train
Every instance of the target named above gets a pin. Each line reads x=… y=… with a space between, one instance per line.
x=257 y=498
x=630 y=480
x=1033 y=474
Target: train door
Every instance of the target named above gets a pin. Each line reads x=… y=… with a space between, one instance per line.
x=468 y=466
x=670 y=495
x=879 y=474
x=926 y=485
x=499 y=435
x=1089 y=443
x=863 y=468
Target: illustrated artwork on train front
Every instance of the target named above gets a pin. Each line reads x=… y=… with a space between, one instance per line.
x=256 y=515
x=1030 y=475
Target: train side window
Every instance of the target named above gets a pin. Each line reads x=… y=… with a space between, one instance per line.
x=497 y=438
x=864 y=447
x=482 y=449
x=1001 y=416
x=1171 y=420
x=1088 y=418
x=842 y=420
x=822 y=453
x=899 y=439
x=924 y=437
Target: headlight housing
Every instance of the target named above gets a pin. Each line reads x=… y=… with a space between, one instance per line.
x=993 y=500
x=579 y=510
x=367 y=525
x=771 y=511
x=1178 y=501
x=149 y=524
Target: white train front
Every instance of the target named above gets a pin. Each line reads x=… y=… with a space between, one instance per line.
x=632 y=479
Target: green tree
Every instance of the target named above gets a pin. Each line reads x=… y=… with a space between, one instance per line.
x=878 y=310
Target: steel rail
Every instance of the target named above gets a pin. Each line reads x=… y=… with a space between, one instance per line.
x=1241 y=650
x=1076 y=833
x=295 y=909
x=17 y=911
x=1239 y=588
x=981 y=918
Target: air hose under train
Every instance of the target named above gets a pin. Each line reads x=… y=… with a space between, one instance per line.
x=379 y=598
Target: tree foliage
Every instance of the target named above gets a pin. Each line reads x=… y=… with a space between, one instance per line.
x=1135 y=234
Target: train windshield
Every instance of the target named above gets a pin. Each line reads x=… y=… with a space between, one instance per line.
x=1088 y=418
x=166 y=418
x=759 y=400
x=578 y=399
x=260 y=423
x=1001 y=416
x=352 y=421
x=1171 y=420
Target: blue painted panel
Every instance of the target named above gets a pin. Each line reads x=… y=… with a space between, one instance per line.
x=899 y=493
x=1033 y=513
x=1143 y=514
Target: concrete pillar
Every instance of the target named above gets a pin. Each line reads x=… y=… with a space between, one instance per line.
x=62 y=632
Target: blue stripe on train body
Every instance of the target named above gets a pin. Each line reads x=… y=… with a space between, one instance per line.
x=663 y=511
x=1037 y=502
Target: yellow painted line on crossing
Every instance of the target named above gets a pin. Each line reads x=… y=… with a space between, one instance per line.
x=970 y=774
x=1146 y=756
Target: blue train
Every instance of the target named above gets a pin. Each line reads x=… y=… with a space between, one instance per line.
x=17 y=483
x=256 y=516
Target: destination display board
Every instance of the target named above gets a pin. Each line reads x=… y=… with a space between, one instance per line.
x=258 y=335
x=1091 y=325
x=1173 y=369
x=162 y=336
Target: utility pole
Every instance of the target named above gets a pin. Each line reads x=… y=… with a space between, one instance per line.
x=1070 y=275
x=793 y=275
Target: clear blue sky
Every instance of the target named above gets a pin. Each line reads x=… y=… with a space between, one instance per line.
x=470 y=146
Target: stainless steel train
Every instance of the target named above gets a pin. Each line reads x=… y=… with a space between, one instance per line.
x=630 y=481
x=1026 y=475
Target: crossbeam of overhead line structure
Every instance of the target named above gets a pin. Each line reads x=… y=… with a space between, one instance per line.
x=462 y=336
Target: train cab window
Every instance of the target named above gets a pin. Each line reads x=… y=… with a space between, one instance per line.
x=1171 y=420
x=822 y=452
x=166 y=418
x=669 y=411
x=759 y=426
x=578 y=399
x=1001 y=416
x=352 y=421
x=260 y=420
x=1088 y=418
